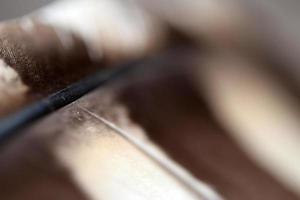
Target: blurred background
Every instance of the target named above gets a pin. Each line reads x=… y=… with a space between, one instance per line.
x=17 y=8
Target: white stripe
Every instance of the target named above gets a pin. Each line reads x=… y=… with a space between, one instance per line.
x=200 y=189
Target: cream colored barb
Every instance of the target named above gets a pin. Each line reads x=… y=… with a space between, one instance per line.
x=114 y=28
x=105 y=166
x=195 y=188
x=258 y=112
x=12 y=89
